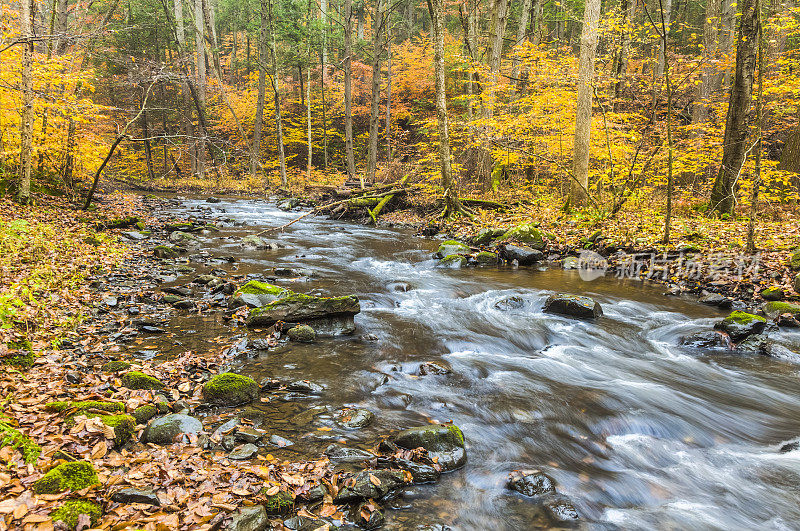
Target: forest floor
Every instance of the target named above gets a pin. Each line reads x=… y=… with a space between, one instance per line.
x=49 y=254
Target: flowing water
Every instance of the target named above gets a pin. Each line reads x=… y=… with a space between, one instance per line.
x=638 y=433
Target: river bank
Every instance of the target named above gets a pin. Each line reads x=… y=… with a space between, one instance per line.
x=407 y=366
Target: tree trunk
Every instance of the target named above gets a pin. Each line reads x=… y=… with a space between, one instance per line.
x=348 y=90
x=148 y=150
x=26 y=124
x=278 y=121
x=374 y=115
x=522 y=31
x=583 y=116
x=323 y=16
x=726 y=34
x=710 y=31
x=734 y=144
x=790 y=157
x=627 y=9
x=750 y=247
x=498 y=30
x=389 y=99
x=263 y=39
x=324 y=119
x=308 y=91
x=666 y=9
x=200 y=66
x=452 y=204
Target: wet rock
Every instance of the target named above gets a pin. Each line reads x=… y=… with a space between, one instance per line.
x=790 y=447
x=212 y=200
x=755 y=344
x=524 y=256
x=249 y=519
x=280 y=503
x=796 y=283
x=787 y=321
x=289 y=204
x=243 y=451
x=229 y=389
x=279 y=441
x=304 y=523
x=432 y=368
x=253 y=242
x=780 y=352
x=182 y=291
x=715 y=299
x=248 y=434
x=302 y=334
x=185 y=304
x=509 y=303
x=570 y=262
x=739 y=325
x=228 y=442
x=171 y=299
x=259 y=344
x=162 y=251
x=171 y=428
x=305 y=386
x=451 y=247
x=454 y=261
x=705 y=340
x=573 y=306
x=420 y=472
x=531 y=482
x=134 y=236
x=297 y=307
x=562 y=512
x=446 y=443
x=369 y=515
x=486 y=258
x=527 y=234
x=342 y=454
x=225 y=428
x=353 y=419
x=368 y=337
x=132 y=495
x=181 y=405
x=182 y=237
x=372 y=484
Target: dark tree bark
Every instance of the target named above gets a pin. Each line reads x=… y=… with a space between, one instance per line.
x=737 y=124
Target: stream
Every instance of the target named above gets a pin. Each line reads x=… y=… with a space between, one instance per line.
x=637 y=432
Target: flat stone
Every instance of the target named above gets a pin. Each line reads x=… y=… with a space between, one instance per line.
x=243 y=451
x=132 y=495
x=344 y=454
x=249 y=519
x=353 y=419
x=248 y=434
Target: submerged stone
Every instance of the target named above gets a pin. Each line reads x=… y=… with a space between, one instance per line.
x=445 y=442
x=531 y=482
x=353 y=419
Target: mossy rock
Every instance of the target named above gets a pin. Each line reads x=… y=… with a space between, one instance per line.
x=76 y=475
x=435 y=437
x=774 y=308
x=115 y=366
x=794 y=260
x=486 y=258
x=144 y=413
x=772 y=294
x=527 y=234
x=487 y=236
x=453 y=260
x=739 y=325
x=302 y=334
x=280 y=503
x=123 y=223
x=140 y=380
x=124 y=426
x=229 y=389
x=450 y=247
x=70 y=511
x=296 y=307
x=163 y=251
x=254 y=287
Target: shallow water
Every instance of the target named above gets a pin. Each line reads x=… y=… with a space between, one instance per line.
x=638 y=433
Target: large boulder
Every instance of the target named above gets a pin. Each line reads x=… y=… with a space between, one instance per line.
x=449 y=247
x=487 y=236
x=297 y=307
x=446 y=443
x=739 y=325
x=794 y=260
x=527 y=234
x=773 y=309
x=573 y=306
x=523 y=255
x=172 y=428
x=229 y=389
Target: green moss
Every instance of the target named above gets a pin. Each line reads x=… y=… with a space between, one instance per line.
x=772 y=294
x=115 y=366
x=85 y=405
x=485 y=257
x=775 y=308
x=144 y=413
x=743 y=318
x=291 y=298
x=140 y=380
x=10 y=436
x=528 y=234
x=24 y=358
x=302 y=333
x=163 y=251
x=255 y=287
x=280 y=503
x=230 y=389
x=76 y=475
x=457 y=433
x=124 y=426
x=71 y=510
